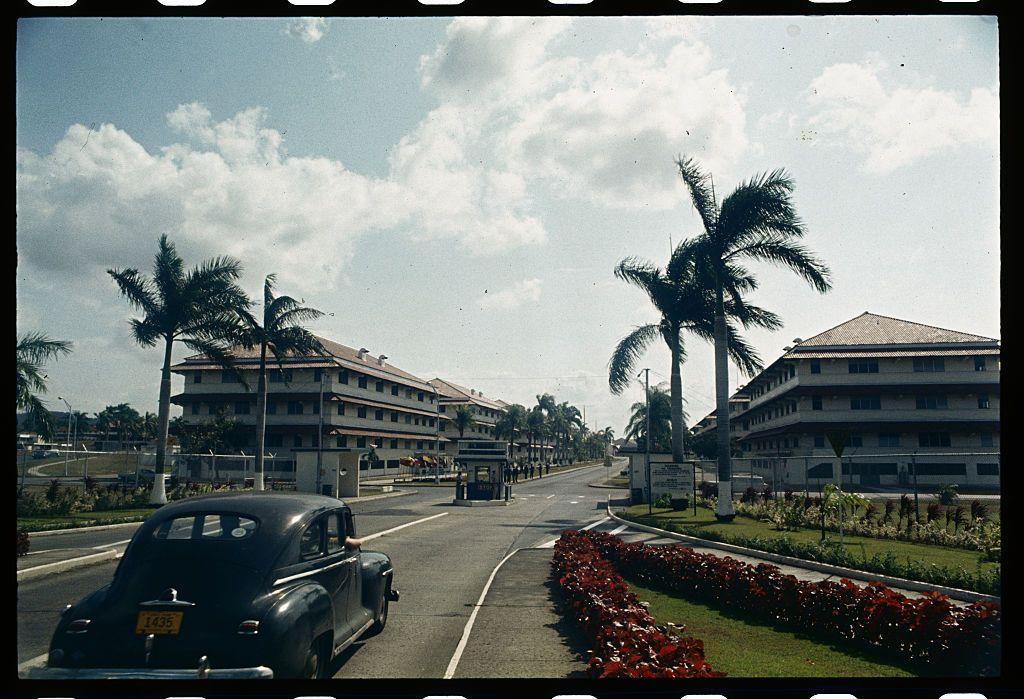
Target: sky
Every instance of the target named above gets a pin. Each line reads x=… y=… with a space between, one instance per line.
x=455 y=193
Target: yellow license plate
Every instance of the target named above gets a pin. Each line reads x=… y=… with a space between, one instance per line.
x=159 y=623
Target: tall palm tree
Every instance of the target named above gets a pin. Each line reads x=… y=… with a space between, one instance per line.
x=511 y=423
x=34 y=349
x=682 y=298
x=661 y=420
x=535 y=427
x=463 y=419
x=278 y=332
x=756 y=222
x=198 y=308
x=546 y=403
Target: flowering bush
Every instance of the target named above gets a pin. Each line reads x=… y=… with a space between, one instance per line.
x=927 y=630
x=625 y=640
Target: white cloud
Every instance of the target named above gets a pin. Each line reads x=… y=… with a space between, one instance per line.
x=526 y=291
x=309 y=29
x=856 y=105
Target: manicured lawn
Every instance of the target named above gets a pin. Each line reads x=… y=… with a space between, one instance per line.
x=98 y=465
x=84 y=519
x=743 y=649
x=859 y=546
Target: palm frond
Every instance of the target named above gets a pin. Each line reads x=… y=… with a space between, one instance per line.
x=701 y=192
x=742 y=353
x=781 y=251
x=137 y=289
x=626 y=354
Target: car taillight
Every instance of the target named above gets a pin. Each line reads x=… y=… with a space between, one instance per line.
x=249 y=627
x=79 y=626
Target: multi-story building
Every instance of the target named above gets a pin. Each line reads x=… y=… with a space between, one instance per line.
x=359 y=401
x=486 y=412
x=912 y=401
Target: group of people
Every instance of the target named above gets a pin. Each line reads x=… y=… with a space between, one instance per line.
x=513 y=472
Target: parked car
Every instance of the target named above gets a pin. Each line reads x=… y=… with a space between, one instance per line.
x=236 y=585
x=45 y=453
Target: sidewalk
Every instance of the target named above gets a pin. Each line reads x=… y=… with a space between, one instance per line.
x=518 y=632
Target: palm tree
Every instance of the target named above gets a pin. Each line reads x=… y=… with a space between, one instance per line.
x=277 y=331
x=661 y=420
x=535 y=428
x=546 y=404
x=685 y=303
x=149 y=425
x=510 y=424
x=463 y=419
x=756 y=222
x=33 y=350
x=198 y=308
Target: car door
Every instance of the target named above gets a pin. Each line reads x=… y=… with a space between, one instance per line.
x=358 y=612
x=342 y=564
x=313 y=549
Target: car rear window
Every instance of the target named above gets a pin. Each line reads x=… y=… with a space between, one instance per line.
x=206 y=527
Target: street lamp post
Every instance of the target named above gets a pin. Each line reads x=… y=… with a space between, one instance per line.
x=68 y=436
x=320 y=438
x=647 y=441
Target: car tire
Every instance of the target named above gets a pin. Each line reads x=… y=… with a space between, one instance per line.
x=382 y=611
x=317 y=660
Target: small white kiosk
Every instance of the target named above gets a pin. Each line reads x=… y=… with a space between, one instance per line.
x=339 y=471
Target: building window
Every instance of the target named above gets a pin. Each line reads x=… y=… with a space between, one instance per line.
x=888 y=439
x=394 y=389
x=815 y=366
x=394 y=443
x=444 y=408
x=419 y=445
x=341 y=441
x=866 y=403
x=431 y=421
x=394 y=417
x=378 y=415
x=362 y=381
x=228 y=377
x=933 y=439
x=863 y=366
x=979 y=365
x=242 y=407
x=297 y=440
x=316 y=407
x=361 y=412
x=360 y=442
x=986 y=439
x=929 y=364
x=856 y=440
x=317 y=375
x=988 y=469
x=380 y=387
x=408 y=393
x=197 y=377
x=822 y=470
x=931 y=403
x=195 y=408
x=343 y=376
x=419 y=396
x=294 y=407
x=274 y=440
x=819 y=440
x=408 y=419
x=341 y=408
x=983 y=402
x=940 y=469
x=816 y=403
x=271 y=408
x=796 y=442
x=280 y=375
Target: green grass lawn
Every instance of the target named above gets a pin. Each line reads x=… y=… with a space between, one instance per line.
x=859 y=546
x=84 y=519
x=101 y=464
x=743 y=649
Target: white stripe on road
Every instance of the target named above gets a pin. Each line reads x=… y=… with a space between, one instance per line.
x=459 y=649
x=551 y=544
x=370 y=537
x=114 y=543
x=38 y=661
x=549 y=497
x=574 y=502
x=619 y=530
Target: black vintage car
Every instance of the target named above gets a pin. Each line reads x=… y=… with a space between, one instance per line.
x=229 y=586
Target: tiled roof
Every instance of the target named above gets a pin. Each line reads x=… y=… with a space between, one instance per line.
x=452 y=390
x=875 y=330
x=872 y=354
x=348 y=358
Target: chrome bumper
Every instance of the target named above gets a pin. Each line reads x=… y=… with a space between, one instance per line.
x=127 y=673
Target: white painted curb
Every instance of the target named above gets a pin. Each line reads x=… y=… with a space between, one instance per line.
x=69 y=564
x=917 y=586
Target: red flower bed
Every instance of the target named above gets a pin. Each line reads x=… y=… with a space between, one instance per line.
x=927 y=630
x=625 y=639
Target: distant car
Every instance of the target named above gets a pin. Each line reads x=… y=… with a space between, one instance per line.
x=241 y=585
x=45 y=453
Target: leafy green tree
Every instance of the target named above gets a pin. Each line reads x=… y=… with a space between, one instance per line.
x=463 y=419
x=756 y=222
x=511 y=423
x=546 y=403
x=535 y=428
x=685 y=303
x=198 y=308
x=34 y=349
x=661 y=421
x=278 y=332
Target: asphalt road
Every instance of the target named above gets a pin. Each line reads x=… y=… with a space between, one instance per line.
x=441 y=568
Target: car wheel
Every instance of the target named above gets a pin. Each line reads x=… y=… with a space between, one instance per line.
x=316 y=660
x=382 y=612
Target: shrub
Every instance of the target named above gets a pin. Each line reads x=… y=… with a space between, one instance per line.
x=979 y=510
x=664 y=500
x=749 y=495
x=929 y=630
x=625 y=639
x=766 y=493
x=947 y=494
x=890 y=506
x=708 y=490
x=933 y=511
x=788 y=495
x=53 y=490
x=23 y=542
x=90 y=484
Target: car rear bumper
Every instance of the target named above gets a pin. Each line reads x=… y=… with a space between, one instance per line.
x=259 y=672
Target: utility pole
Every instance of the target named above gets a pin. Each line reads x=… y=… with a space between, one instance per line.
x=437 y=438
x=647 y=440
x=67 y=437
x=320 y=438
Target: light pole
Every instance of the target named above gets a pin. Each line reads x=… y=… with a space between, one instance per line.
x=437 y=439
x=320 y=437
x=68 y=437
x=647 y=440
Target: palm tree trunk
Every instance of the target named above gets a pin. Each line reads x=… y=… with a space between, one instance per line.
x=158 y=496
x=261 y=418
x=676 y=390
x=724 y=509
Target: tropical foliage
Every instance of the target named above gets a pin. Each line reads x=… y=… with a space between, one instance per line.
x=34 y=350
x=661 y=422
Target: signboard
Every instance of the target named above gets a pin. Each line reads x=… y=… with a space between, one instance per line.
x=674 y=479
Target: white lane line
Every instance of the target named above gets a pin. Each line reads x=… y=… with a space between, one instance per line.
x=551 y=544
x=38 y=661
x=619 y=530
x=370 y=537
x=549 y=497
x=460 y=649
x=574 y=502
x=114 y=543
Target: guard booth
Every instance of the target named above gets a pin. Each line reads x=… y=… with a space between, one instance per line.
x=339 y=471
x=484 y=464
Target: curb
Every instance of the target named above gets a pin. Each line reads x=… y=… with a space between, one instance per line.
x=368 y=498
x=608 y=487
x=64 y=566
x=955 y=593
x=97 y=528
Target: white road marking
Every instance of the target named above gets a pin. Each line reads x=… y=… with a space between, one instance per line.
x=459 y=649
x=574 y=502
x=37 y=661
x=618 y=530
x=114 y=543
x=370 y=537
x=551 y=544
x=549 y=497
